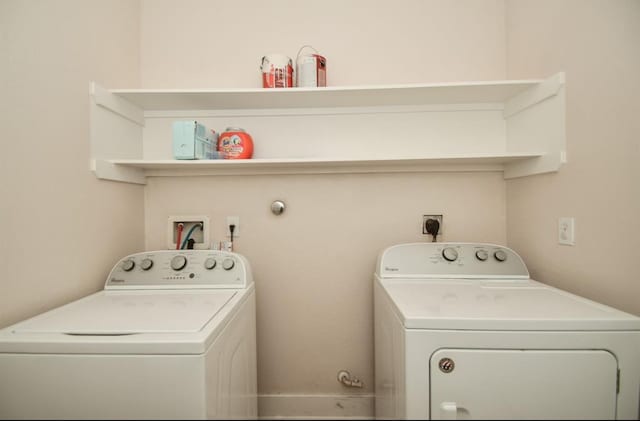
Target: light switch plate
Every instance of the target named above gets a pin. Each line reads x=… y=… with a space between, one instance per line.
x=566 y=231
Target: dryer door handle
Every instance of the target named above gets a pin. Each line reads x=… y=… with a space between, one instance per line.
x=448 y=411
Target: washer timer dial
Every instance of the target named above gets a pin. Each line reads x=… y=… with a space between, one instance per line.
x=178 y=262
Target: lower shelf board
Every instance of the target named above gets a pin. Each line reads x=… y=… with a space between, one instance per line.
x=136 y=170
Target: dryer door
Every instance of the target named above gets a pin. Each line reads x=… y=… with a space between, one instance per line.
x=523 y=384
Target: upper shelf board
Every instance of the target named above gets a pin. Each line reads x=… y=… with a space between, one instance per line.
x=168 y=164
x=360 y=96
x=136 y=170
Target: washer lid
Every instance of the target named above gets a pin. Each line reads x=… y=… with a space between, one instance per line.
x=500 y=305
x=131 y=312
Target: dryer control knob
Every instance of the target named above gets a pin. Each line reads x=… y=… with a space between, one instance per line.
x=500 y=255
x=146 y=264
x=482 y=255
x=450 y=254
x=210 y=263
x=228 y=263
x=128 y=265
x=178 y=262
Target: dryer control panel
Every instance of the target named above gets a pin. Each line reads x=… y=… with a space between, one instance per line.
x=180 y=269
x=451 y=260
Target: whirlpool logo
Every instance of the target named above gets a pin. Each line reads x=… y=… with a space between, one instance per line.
x=117 y=281
x=388 y=269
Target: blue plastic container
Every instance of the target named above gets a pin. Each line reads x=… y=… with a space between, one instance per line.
x=192 y=140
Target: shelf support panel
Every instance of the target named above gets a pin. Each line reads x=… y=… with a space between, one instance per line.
x=115 y=133
x=535 y=120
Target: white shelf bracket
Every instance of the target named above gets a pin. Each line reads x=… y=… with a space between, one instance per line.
x=115 y=133
x=535 y=120
x=109 y=171
x=106 y=99
x=534 y=95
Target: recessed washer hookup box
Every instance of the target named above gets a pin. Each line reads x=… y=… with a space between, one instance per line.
x=193 y=140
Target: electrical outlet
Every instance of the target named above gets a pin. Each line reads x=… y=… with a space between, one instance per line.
x=566 y=231
x=190 y=228
x=425 y=218
x=233 y=220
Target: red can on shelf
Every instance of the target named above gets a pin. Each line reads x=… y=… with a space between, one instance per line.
x=277 y=71
x=235 y=143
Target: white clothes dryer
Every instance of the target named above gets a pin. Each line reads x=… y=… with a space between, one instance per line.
x=462 y=332
x=171 y=335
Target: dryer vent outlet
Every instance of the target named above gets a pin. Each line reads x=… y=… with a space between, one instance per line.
x=195 y=228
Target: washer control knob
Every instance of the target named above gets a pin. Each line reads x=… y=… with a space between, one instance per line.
x=178 y=262
x=146 y=264
x=210 y=263
x=482 y=255
x=450 y=254
x=228 y=263
x=128 y=265
x=500 y=255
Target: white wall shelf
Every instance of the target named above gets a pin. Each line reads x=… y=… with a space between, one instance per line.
x=329 y=97
x=511 y=126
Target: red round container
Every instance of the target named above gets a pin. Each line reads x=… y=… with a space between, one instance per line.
x=235 y=143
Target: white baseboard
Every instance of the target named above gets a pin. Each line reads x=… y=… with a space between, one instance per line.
x=282 y=406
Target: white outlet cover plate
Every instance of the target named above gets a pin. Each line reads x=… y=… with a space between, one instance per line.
x=566 y=231
x=437 y=216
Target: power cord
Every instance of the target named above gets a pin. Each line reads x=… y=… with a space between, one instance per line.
x=232 y=228
x=432 y=226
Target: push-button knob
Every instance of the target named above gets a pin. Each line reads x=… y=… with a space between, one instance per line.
x=228 y=263
x=146 y=264
x=500 y=255
x=128 y=265
x=482 y=255
x=210 y=263
x=450 y=254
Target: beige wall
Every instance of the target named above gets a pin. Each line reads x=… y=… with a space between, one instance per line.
x=313 y=265
x=597 y=44
x=62 y=229
x=196 y=43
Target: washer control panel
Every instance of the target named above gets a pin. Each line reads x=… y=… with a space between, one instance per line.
x=175 y=269
x=451 y=260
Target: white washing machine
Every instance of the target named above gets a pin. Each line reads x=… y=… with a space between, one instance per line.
x=462 y=332
x=172 y=335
